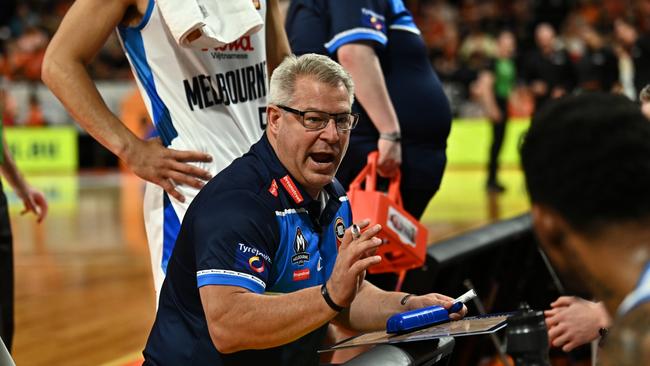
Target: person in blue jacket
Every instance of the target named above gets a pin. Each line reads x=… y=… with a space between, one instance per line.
x=404 y=113
x=265 y=258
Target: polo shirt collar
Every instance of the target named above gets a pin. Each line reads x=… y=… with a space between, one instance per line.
x=282 y=179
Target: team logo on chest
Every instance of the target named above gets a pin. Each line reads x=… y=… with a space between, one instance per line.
x=339 y=229
x=300 y=245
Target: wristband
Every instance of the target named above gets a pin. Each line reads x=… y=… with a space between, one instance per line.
x=329 y=301
x=391 y=136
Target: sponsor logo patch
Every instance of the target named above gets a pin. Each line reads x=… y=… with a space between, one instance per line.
x=288 y=184
x=247 y=249
x=256 y=264
x=301 y=274
x=372 y=20
x=300 y=245
x=243 y=44
x=273 y=189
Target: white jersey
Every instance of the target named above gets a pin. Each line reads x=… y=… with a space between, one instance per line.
x=209 y=100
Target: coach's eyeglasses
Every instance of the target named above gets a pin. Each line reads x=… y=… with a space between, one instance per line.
x=317 y=120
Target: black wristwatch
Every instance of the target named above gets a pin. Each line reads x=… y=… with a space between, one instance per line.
x=603 y=334
x=391 y=136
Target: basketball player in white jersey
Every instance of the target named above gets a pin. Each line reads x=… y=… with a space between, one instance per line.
x=206 y=104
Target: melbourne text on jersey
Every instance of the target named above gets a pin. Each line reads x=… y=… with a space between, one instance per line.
x=232 y=87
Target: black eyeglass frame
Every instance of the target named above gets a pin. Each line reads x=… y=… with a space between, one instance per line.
x=330 y=116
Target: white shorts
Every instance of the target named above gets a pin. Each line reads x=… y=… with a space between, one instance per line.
x=162 y=221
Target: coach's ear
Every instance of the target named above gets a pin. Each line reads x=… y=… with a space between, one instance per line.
x=273 y=115
x=552 y=232
x=549 y=226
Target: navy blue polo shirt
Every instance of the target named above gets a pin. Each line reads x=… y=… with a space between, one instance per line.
x=322 y=26
x=252 y=226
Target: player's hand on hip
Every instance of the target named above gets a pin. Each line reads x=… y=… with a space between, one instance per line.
x=354 y=257
x=390 y=157
x=168 y=168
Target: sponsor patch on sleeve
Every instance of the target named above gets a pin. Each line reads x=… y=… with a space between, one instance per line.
x=373 y=20
x=251 y=260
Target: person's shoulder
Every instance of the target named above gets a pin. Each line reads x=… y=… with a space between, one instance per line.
x=312 y=4
x=243 y=183
x=338 y=189
x=628 y=342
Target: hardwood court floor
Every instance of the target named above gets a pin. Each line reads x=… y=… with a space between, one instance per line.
x=84 y=293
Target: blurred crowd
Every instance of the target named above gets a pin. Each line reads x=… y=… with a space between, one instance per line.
x=588 y=45
x=602 y=40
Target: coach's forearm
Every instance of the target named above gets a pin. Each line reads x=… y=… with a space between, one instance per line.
x=371 y=308
x=240 y=320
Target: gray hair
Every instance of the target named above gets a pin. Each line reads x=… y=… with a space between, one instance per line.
x=644 y=95
x=322 y=68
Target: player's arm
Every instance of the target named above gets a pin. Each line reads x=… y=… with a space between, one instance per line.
x=483 y=90
x=80 y=36
x=33 y=200
x=277 y=44
x=360 y=60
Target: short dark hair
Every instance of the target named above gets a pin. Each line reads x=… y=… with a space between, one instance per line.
x=588 y=158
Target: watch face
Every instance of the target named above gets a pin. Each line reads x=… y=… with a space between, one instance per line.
x=391 y=136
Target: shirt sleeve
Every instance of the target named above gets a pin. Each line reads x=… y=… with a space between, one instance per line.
x=235 y=239
x=357 y=20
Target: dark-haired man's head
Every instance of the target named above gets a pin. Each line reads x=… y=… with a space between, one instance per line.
x=587 y=164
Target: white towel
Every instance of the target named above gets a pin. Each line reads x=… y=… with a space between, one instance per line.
x=220 y=21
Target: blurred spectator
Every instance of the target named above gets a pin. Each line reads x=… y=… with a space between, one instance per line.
x=25 y=55
x=24 y=17
x=111 y=63
x=436 y=19
x=597 y=69
x=8 y=112
x=548 y=69
x=35 y=116
x=638 y=48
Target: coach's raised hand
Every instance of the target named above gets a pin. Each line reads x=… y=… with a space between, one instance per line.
x=355 y=256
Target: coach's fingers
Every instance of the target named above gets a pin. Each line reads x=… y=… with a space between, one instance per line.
x=362 y=264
